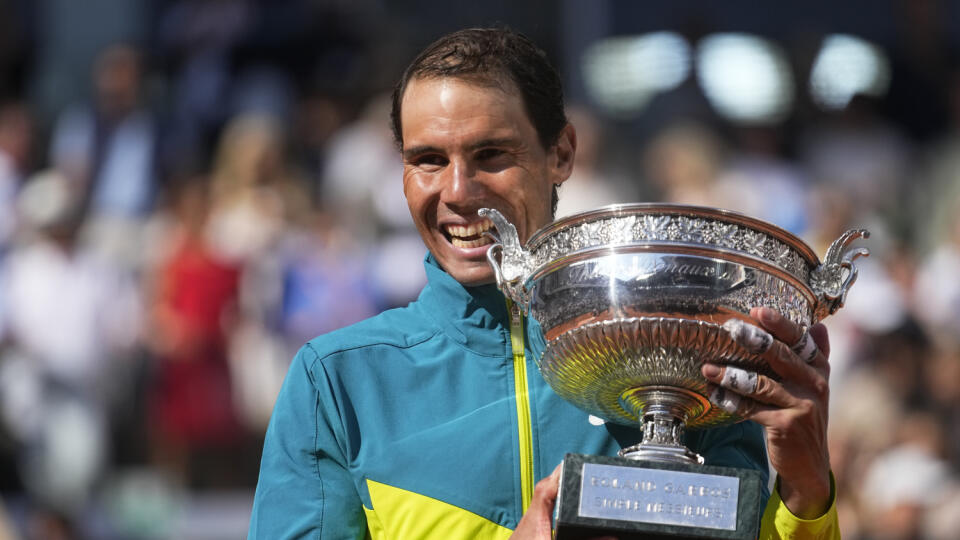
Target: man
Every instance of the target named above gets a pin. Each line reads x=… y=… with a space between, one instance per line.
x=432 y=420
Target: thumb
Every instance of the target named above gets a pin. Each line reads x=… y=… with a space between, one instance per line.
x=545 y=492
x=537 y=522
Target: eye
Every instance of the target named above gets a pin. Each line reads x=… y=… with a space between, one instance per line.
x=489 y=153
x=429 y=161
x=493 y=159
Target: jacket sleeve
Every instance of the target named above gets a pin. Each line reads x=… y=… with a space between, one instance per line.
x=305 y=489
x=778 y=523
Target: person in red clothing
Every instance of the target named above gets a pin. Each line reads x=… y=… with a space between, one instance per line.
x=194 y=294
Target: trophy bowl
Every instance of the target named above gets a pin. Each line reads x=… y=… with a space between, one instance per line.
x=632 y=300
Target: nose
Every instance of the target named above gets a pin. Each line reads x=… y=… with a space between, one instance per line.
x=461 y=188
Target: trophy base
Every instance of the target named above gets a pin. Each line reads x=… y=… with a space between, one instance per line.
x=629 y=499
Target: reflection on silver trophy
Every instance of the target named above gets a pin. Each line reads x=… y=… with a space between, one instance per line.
x=632 y=299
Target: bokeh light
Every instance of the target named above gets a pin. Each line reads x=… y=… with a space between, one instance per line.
x=622 y=74
x=846 y=66
x=746 y=78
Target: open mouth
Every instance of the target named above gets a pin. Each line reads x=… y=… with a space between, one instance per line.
x=469 y=236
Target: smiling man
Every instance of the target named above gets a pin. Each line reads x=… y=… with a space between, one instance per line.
x=432 y=421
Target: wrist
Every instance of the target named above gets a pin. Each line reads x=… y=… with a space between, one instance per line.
x=809 y=498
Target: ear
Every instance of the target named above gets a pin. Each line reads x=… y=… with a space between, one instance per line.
x=562 y=155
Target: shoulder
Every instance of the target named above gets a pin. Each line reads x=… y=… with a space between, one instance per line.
x=398 y=328
x=343 y=360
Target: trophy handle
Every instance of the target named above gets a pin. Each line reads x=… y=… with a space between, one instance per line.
x=514 y=262
x=833 y=278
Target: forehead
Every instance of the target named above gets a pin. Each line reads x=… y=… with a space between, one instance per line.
x=452 y=103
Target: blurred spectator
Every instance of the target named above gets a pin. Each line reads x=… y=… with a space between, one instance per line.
x=317 y=119
x=903 y=483
x=937 y=193
x=861 y=154
x=590 y=186
x=875 y=323
x=193 y=297
x=937 y=292
x=107 y=148
x=682 y=163
x=327 y=282
x=758 y=182
x=71 y=316
x=257 y=202
x=323 y=281
x=362 y=175
x=254 y=194
x=65 y=37
x=941 y=386
x=16 y=144
x=362 y=181
x=197 y=39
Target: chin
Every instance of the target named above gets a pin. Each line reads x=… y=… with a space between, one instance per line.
x=471 y=281
x=477 y=283
x=472 y=277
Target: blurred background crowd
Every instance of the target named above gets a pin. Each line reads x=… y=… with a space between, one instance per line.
x=190 y=189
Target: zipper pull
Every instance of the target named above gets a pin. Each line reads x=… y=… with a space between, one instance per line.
x=516 y=316
x=517 y=337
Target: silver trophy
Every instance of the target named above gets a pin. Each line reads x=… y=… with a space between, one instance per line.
x=632 y=300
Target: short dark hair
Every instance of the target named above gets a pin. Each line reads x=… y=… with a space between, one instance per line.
x=492 y=56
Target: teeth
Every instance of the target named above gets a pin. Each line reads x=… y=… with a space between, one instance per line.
x=473 y=229
x=470 y=243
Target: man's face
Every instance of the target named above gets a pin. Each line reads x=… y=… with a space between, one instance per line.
x=467 y=146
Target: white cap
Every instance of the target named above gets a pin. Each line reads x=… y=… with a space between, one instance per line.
x=46 y=199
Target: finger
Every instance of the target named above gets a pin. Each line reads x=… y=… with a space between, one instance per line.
x=822 y=338
x=739 y=380
x=785 y=363
x=733 y=403
x=775 y=353
x=537 y=520
x=806 y=348
x=752 y=338
x=547 y=488
x=727 y=400
x=789 y=332
x=734 y=389
x=781 y=327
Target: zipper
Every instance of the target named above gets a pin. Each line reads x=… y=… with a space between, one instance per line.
x=521 y=392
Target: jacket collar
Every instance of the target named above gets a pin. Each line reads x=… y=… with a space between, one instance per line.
x=475 y=317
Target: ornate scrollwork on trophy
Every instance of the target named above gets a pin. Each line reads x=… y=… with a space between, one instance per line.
x=670 y=225
x=832 y=279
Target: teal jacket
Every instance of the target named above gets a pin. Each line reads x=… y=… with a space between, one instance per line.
x=421 y=422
